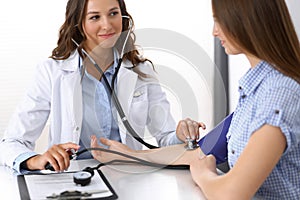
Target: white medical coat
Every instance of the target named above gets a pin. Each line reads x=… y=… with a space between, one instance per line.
x=56 y=95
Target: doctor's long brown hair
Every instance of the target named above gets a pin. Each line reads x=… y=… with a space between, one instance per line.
x=262 y=28
x=72 y=29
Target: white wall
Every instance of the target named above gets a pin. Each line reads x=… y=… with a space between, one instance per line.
x=238 y=65
x=29 y=32
x=187 y=20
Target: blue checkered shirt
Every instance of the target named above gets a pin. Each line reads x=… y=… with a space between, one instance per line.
x=269 y=97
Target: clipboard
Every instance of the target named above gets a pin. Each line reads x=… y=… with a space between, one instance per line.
x=40 y=186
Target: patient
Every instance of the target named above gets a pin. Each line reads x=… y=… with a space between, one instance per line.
x=264 y=135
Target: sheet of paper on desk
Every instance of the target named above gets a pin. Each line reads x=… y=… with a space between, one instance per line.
x=41 y=186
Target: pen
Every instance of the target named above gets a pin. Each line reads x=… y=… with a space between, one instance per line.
x=75 y=194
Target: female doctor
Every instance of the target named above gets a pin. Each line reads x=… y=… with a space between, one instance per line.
x=70 y=92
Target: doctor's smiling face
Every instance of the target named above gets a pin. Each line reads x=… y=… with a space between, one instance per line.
x=102 y=23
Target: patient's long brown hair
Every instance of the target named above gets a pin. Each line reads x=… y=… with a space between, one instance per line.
x=262 y=28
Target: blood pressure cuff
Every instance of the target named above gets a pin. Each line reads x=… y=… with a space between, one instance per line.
x=215 y=142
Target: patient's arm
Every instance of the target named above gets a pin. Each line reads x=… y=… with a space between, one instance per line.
x=169 y=155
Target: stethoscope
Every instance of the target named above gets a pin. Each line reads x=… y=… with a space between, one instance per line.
x=191 y=144
x=84 y=177
x=115 y=99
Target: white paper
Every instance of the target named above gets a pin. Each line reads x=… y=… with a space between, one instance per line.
x=41 y=186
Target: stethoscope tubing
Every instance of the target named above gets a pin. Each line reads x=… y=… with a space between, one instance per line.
x=115 y=99
x=134 y=160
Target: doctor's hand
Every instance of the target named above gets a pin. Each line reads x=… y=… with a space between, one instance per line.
x=57 y=156
x=189 y=128
x=112 y=145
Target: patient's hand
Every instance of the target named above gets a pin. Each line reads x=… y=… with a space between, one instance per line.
x=173 y=154
x=112 y=145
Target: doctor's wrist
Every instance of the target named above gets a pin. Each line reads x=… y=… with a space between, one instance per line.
x=28 y=164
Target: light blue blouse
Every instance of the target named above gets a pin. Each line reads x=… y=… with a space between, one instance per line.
x=99 y=113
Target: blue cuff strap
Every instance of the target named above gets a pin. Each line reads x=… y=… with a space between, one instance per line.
x=215 y=142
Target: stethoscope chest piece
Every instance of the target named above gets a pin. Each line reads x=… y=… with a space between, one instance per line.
x=84 y=177
x=191 y=144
